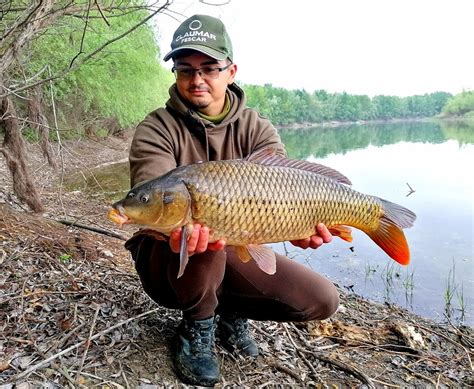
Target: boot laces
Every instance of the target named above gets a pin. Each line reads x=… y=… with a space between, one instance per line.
x=201 y=340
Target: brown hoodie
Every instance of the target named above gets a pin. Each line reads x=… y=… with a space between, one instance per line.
x=177 y=135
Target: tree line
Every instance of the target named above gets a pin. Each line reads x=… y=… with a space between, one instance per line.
x=288 y=107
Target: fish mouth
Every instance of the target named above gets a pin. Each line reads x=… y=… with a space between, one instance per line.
x=117 y=215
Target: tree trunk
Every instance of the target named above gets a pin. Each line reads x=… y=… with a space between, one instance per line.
x=14 y=151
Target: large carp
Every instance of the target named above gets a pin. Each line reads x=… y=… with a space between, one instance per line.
x=263 y=199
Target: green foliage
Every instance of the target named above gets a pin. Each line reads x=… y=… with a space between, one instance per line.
x=460 y=105
x=124 y=81
x=286 y=107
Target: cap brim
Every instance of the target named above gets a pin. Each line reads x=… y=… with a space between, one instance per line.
x=202 y=49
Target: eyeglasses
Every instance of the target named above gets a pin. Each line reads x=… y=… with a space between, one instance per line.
x=206 y=72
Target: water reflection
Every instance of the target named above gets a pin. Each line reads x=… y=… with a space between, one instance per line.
x=322 y=141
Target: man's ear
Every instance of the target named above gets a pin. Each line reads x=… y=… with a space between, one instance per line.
x=232 y=71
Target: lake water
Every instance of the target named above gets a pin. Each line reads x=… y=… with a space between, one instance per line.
x=386 y=160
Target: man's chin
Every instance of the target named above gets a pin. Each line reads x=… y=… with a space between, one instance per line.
x=199 y=105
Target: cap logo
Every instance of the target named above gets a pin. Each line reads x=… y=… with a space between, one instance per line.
x=195 y=34
x=195 y=25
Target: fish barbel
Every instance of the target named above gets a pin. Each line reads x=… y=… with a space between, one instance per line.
x=263 y=199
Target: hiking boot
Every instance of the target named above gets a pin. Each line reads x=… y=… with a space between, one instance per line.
x=235 y=336
x=194 y=357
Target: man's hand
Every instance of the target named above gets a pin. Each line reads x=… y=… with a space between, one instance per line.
x=198 y=241
x=322 y=236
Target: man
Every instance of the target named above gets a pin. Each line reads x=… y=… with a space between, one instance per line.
x=206 y=119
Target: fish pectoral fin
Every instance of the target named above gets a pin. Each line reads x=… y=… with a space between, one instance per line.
x=183 y=250
x=343 y=232
x=264 y=257
x=243 y=253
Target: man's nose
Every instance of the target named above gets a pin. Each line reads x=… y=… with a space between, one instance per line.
x=197 y=73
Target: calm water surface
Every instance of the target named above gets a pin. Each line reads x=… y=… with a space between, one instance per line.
x=382 y=160
x=436 y=161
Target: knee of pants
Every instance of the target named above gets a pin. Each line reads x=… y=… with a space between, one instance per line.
x=325 y=305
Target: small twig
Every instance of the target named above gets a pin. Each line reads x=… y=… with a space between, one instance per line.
x=347 y=368
x=63 y=340
x=124 y=376
x=77 y=345
x=298 y=350
x=285 y=370
x=88 y=342
x=343 y=366
x=385 y=383
x=420 y=375
x=102 y=13
x=81 y=48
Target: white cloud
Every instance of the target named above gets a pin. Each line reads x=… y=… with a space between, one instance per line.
x=398 y=47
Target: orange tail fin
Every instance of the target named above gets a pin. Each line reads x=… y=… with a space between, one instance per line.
x=391 y=239
x=389 y=235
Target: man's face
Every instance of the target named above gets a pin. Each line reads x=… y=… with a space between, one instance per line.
x=205 y=93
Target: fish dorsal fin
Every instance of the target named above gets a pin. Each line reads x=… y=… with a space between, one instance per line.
x=268 y=157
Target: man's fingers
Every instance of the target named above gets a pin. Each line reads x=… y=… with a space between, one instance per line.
x=175 y=238
x=216 y=246
x=324 y=233
x=194 y=238
x=198 y=241
x=203 y=240
x=302 y=243
x=315 y=241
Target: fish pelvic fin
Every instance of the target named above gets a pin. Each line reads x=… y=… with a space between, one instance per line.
x=343 y=232
x=186 y=232
x=263 y=256
x=389 y=235
x=243 y=253
x=267 y=156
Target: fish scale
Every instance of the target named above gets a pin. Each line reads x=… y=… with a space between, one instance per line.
x=234 y=200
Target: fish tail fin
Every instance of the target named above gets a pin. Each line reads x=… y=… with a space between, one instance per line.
x=389 y=235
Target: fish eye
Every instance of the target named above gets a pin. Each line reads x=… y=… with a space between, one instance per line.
x=144 y=199
x=131 y=195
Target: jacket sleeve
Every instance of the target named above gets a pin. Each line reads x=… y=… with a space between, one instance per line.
x=151 y=152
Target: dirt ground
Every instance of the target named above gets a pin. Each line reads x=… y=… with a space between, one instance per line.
x=73 y=314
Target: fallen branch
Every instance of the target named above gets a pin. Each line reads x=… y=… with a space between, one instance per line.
x=91 y=228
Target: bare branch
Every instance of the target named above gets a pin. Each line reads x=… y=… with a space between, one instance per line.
x=75 y=65
x=83 y=35
x=101 y=13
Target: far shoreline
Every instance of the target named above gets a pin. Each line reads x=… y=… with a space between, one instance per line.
x=341 y=123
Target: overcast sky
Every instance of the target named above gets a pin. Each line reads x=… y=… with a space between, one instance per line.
x=390 y=47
